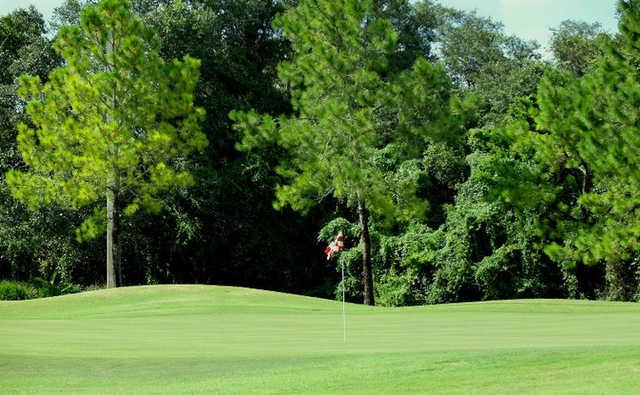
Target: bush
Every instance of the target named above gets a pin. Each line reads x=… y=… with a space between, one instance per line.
x=13 y=290
x=54 y=286
x=393 y=289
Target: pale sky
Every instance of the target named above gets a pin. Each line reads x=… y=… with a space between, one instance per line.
x=44 y=6
x=532 y=19
x=527 y=19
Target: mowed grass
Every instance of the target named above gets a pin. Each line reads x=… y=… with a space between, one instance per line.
x=206 y=339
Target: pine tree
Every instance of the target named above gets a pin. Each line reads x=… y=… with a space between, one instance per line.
x=351 y=109
x=587 y=130
x=113 y=125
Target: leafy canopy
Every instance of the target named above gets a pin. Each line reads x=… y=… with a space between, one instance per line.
x=115 y=117
x=355 y=119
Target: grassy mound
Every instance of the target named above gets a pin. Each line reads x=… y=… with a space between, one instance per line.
x=206 y=339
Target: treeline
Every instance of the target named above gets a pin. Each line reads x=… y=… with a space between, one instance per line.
x=477 y=169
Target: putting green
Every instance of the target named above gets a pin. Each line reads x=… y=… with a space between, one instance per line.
x=207 y=339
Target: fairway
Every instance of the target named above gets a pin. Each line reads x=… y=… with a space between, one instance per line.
x=208 y=339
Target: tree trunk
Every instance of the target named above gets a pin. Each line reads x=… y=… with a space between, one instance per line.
x=587 y=184
x=117 y=254
x=587 y=179
x=367 y=276
x=111 y=195
x=111 y=247
x=117 y=247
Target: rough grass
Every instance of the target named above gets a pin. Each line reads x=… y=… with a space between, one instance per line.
x=205 y=339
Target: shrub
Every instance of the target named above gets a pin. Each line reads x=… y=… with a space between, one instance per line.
x=393 y=289
x=13 y=290
x=54 y=286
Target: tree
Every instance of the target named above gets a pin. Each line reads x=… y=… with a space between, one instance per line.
x=485 y=61
x=576 y=46
x=113 y=125
x=350 y=109
x=30 y=242
x=23 y=48
x=472 y=245
x=581 y=135
x=216 y=231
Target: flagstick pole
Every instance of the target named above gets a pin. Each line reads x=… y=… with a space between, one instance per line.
x=344 y=314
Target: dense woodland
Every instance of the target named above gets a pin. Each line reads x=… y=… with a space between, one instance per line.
x=459 y=162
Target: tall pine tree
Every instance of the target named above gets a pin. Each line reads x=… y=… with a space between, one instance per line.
x=113 y=125
x=587 y=132
x=351 y=106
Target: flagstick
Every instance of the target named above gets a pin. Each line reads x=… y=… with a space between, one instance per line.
x=344 y=315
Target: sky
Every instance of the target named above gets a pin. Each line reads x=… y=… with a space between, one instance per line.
x=533 y=19
x=44 y=6
x=527 y=19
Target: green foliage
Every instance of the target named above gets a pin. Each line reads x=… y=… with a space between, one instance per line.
x=394 y=289
x=218 y=230
x=86 y=139
x=39 y=240
x=344 y=102
x=577 y=46
x=54 y=286
x=360 y=125
x=577 y=138
x=404 y=265
x=484 y=179
x=477 y=246
x=13 y=290
x=485 y=61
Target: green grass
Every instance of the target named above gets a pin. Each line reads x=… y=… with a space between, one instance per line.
x=205 y=339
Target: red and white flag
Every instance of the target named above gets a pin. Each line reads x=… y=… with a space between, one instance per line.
x=335 y=246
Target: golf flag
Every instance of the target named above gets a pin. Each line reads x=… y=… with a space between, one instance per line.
x=335 y=246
